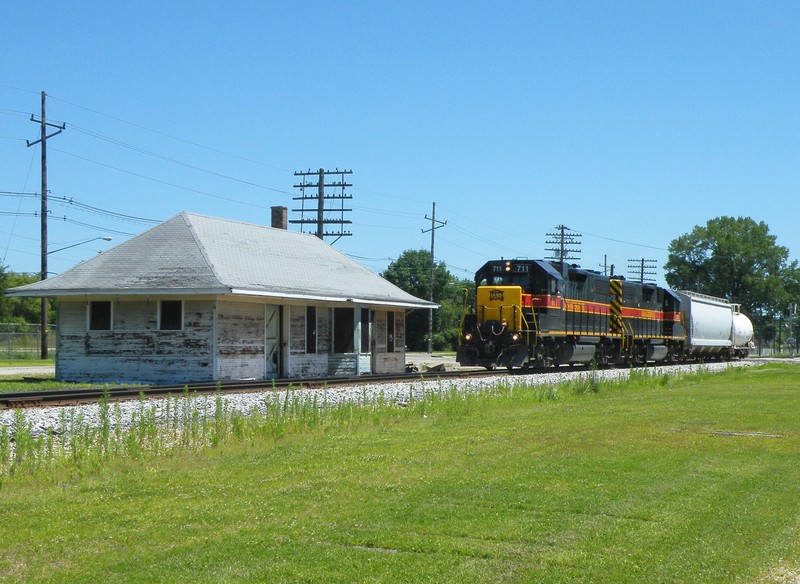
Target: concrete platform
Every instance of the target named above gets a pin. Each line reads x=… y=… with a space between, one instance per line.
x=425 y=361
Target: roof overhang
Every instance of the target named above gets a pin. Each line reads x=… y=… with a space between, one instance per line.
x=117 y=292
x=106 y=292
x=334 y=299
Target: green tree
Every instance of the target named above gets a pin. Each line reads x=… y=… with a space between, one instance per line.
x=411 y=272
x=737 y=259
x=18 y=310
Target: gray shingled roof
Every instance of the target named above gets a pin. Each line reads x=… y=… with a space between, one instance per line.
x=195 y=254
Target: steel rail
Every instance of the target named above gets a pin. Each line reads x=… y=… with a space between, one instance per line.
x=62 y=397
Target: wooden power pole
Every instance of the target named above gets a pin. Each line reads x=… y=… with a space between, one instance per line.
x=44 y=124
x=318 y=211
x=434 y=226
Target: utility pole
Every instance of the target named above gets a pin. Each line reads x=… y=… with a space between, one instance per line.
x=605 y=264
x=644 y=268
x=318 y=211
x=44 y=124
x=565 y=239
x=434 y=226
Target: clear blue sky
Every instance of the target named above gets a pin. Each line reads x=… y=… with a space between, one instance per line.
x=629 y=122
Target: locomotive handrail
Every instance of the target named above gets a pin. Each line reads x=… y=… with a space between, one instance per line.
x=628 y=327
x=466 y=308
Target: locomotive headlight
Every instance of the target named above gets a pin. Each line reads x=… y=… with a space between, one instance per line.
x=515 y=337
x=508 y=266
x=467 y=337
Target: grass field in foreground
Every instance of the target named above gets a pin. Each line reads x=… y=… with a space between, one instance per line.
x=694 y=479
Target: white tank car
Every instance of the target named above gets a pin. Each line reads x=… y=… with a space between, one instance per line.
x=742 y=333
x=714 y=326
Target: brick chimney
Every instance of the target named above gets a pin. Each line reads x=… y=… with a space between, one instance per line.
x=279 y=220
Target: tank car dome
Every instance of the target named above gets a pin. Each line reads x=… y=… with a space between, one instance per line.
x=742 y=330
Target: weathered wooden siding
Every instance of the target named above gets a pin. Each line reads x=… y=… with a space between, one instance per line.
x=135 y=351
x=343 y=365
x=297 y=330
x=399 y=332
x=240 y=340
x=394 y=362
x=379 y=332
x=323 y=330
x=302 y=364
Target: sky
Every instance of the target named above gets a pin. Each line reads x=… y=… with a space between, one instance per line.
x=628 y=122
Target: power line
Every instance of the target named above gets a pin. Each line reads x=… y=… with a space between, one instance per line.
x=98 y=211
x=66 y=220
x=163 y=182
x=97 y=227
x=166 y=135
x=71 y=202
x=175 y=161
x=625 y=242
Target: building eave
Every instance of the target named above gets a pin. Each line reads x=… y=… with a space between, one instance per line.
x=117 y=292
x=278 y=295
x=333 y=299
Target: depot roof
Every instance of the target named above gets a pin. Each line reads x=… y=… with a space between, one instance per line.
x=192 y=254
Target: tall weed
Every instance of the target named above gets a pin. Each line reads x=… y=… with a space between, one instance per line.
x=191 y=423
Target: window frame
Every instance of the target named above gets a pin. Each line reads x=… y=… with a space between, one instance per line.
x=161 y=316
x=344 y=325
x=366 y=333
x=91 y=316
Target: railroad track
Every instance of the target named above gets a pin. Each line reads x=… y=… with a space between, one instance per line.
x=64 y=397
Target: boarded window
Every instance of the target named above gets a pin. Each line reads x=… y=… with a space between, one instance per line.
x=343 y=329
x=311 y=329
x=170 y=317
x=365 y=348
x=390 y=332
x=100 y=315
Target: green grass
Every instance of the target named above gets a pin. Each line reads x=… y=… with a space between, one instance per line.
x=691 y=479
x=39 y=382
x=27 y=360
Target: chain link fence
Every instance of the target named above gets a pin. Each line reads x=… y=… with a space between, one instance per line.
x=24 y=339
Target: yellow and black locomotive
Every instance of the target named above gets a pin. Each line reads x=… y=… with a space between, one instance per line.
x=536 y=313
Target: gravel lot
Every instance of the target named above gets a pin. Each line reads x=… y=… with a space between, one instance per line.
x=30 y=371
x=48 y=418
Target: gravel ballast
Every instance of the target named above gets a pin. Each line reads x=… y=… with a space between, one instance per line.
x=45 y=419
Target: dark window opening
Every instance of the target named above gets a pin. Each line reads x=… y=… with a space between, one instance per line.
x=365 y=348
x=344 y=327
x=100 y=315
x=390 y=332
x=311 y=329
x=171 y=317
